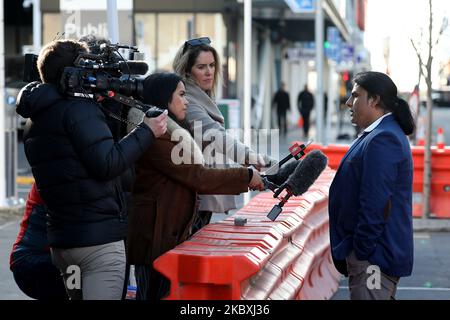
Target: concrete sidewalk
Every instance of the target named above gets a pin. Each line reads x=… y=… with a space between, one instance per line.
x=431 y=225
x=419 y=224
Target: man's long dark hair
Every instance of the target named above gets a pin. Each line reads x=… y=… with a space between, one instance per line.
x=380 y=84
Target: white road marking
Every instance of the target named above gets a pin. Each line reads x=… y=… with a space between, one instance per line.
x=421 y=235
x=413 y=288
x=7 y=224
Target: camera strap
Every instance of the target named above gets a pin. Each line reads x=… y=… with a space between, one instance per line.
x=124 y=100
x=118 y=117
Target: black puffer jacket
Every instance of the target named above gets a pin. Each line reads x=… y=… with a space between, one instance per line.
x=77 y=164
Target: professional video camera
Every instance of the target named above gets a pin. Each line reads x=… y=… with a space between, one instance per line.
x=106 y=75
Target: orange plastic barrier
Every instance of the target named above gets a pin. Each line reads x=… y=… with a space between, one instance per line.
x=334 y=152
x=284 y=259
x=440 y=176
x=440 y=181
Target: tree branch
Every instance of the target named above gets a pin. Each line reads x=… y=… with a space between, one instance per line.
x=444 y=26
x=441 y=69
x=430 y=39
x=421 y=64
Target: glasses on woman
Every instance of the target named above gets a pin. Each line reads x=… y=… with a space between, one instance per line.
x=196 y=42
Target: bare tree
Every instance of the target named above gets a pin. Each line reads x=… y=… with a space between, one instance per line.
x=425 y=71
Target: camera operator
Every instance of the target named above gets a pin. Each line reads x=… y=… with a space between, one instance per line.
x=118 y=130
x=77 y=167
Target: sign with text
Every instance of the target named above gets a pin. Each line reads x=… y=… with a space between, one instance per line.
x=301 y=6
x=83 y=17
x=304 y=50
x=347 y=52
x=334 y=44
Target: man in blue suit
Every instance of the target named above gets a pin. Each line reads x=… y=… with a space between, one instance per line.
x=370 y=204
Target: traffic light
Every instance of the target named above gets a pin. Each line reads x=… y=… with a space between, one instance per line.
x=345 y=76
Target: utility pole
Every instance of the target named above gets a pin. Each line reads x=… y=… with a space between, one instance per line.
x=37 y=26
x=319 y=30
x=2 y=110
x=247 y=76
x=37 y=23
x=113 y=21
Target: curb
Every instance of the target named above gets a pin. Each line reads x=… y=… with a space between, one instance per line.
x=431 y=225
x=16 y=210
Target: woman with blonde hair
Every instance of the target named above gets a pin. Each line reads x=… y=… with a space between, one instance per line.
x=197 y=62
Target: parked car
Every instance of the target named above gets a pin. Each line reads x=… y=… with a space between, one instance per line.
x=441 y=97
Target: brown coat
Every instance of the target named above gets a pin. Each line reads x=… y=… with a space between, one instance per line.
x=165 y=197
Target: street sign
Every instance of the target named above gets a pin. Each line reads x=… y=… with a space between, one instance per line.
x=347 y=52
x=303 y=50
x=332 y=34
x=301 y=6
x=333 y=50
x=337 y=49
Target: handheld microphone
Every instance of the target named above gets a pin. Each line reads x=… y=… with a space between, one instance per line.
x=273 y=181
x=295 y=151
x=133 y=67
x=303 y=177
x=153 y=112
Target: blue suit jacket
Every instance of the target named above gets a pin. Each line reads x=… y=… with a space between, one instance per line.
x=370 y=203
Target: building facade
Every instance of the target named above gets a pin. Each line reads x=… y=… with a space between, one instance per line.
x=283 y=41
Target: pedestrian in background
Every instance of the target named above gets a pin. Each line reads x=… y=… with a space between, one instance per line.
x=282 y=103
x=305 y=103
x=165 y=192
x=197 y=62
x=370 y=203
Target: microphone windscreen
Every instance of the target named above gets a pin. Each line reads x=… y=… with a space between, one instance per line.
x=307 y=172
x=133 y=67
x=283 y=173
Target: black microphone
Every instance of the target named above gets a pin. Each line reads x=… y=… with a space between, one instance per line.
x=306 y=173
x=273 y=181
x=153 y=112
x=295 y=151
x=303 y=177
x=133 y=67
